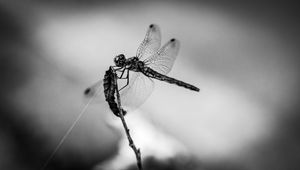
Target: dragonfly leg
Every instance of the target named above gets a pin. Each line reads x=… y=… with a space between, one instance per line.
x=119 y=69
x=123 y=73
x=121 y=76
x=116 y=68
x=127 y=77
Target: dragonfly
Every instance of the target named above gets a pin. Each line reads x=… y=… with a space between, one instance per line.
x=152 y=61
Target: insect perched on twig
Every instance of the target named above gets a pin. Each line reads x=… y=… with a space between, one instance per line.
x=151 y=61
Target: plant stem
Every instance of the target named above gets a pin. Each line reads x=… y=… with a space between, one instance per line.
x=131 y=143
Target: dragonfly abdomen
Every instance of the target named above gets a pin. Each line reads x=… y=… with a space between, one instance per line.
x=154 y=74
x=109 y=83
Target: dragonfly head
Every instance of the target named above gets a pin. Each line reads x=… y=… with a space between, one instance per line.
x=120 y=60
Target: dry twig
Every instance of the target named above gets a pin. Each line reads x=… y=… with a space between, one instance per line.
x=131 y=143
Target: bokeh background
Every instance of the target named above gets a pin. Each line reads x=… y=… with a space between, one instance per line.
x=243 y=55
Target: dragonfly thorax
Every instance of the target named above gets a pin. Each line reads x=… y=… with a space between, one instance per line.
x=134 y=64
x=120 y=60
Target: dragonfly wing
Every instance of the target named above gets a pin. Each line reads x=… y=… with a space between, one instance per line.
x=135 y=94
x=163 y=60
x=150 y=44
x=95 y=91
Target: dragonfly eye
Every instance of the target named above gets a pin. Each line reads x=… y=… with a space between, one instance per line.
x=120 y=60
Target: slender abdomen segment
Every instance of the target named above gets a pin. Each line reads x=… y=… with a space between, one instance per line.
x=154 y=74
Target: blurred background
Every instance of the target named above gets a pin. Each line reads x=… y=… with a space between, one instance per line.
x=244 y=56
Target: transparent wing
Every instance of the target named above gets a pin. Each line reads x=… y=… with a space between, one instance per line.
x=95 y=91
x=163 y=60
x=150 y=44
x=135 y=94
